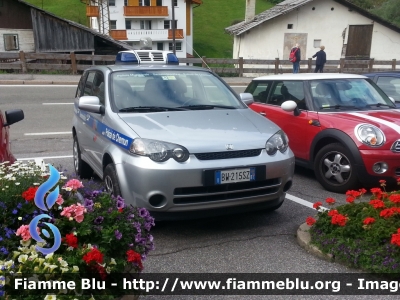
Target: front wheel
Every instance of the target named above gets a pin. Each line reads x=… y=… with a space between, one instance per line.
x=334 y=169
x=111 y=180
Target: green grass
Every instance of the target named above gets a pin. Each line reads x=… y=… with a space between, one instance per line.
x=210 y=20
x=73 y=10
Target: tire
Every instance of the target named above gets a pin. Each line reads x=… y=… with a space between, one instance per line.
x=82 y=169
x=334 y=168
x=110 y=180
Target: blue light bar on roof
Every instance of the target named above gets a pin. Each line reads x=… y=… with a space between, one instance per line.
x=126 y=58
x=148 y=57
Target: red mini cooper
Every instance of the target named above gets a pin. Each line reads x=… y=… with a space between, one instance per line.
x=340 y=125
x=9 y=117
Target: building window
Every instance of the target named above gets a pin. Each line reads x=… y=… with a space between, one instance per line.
x=317 y=43
x=11 y=42
x=111 y=2
x=178 y=46
x=168 y=24
x=160 y=46
x=113 y=24
x=159 y=3
x=175 y=2
x=128 y=24
x=145 y=24
x=144 y=2
x=125 y=2
x=290 y=26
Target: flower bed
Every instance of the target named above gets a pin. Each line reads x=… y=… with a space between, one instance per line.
x=99 y=234
x=362 y=233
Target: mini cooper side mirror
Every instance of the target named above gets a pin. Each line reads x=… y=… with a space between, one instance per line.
x=91 y=104
x=13 y=116
x=246 y=98
x=290 y=106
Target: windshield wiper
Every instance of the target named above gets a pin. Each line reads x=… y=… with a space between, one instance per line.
x=337 y=106
x=380 y=104
x=206 y=106
x=150 y=109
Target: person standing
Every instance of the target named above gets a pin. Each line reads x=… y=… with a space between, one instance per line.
x=295 y=58
x=321 y=60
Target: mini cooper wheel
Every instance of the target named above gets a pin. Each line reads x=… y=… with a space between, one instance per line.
x=334 y=169
x=111 y=180
x=82 y=169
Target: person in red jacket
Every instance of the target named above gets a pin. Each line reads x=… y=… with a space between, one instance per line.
x=296 y=63
x=321 y=60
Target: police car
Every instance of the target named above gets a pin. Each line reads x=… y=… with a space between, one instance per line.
x=177 y=140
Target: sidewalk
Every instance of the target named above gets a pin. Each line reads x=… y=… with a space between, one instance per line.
x=6 y=79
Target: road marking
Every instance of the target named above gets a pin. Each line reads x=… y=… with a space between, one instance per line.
x=46 y=157
x=40 y=85
x=47 y=133
x=302 y=201
x=57 y=103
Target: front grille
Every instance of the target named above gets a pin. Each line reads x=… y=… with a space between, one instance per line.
x=229 y=191
x=396 y=146
x=228 y=154
x=150 y=56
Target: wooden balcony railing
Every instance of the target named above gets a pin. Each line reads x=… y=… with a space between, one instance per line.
x=178 y=33
x=118 y=34
x=140 y=11
x=92 y=11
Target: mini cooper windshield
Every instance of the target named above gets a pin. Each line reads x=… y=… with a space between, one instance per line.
x=138 y=91
x=345 y=94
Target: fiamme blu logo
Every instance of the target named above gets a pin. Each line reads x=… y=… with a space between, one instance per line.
x=40 y=203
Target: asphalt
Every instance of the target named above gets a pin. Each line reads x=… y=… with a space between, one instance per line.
x=303 y=236
x=39 y=79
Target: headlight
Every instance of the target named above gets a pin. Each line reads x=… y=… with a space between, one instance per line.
x=159 y=151
x=369 y=135
x=279 y=141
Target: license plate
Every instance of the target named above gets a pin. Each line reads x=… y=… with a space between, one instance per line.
x=232 y=176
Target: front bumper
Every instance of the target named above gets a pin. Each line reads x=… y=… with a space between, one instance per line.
x=392 y=159
x=182 y=187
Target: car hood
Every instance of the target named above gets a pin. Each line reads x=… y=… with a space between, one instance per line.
x=204 y=130
x=380 y=118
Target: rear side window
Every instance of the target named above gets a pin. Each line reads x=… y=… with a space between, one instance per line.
x=259 y=90
x=390 y=85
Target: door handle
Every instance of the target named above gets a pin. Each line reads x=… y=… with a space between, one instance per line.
x=263 y=113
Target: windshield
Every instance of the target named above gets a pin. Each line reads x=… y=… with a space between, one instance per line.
x=342 y=94
x=162 y=90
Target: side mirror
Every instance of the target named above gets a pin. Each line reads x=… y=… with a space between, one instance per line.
x=291 y=106
x=246 y=98
x=91 y=104
x=13 y=116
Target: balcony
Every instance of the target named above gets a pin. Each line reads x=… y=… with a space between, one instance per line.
x=146 y=11
x=92 y=11
x=118 y=34
x=155 y=34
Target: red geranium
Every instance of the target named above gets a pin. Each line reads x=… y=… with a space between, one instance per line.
x=71 y=240
x=310 y=221
x=29 y=194
x=368 y=221
x=363 y=191
x=396 y=238
x=330 y=201
x=395 y=198
x=377 y=204
x=93 y=255
x=388 y=212
x=377 y=193
x=382 y=182
x=317 y=205
x=352 y=195
x=332 y=212
x=339 y=219
x=134 y=257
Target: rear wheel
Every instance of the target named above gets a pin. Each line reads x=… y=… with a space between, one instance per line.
x=111 y=180
x=334 y=169
x=82 y=169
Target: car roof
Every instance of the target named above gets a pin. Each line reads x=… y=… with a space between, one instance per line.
x=114 y=68
x=309 y=76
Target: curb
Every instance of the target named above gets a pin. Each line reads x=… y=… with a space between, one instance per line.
x=36 y=82
x=304 y=240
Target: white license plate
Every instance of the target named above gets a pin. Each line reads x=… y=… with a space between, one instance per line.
x=231 y=176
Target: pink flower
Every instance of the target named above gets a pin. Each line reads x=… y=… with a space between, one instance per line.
x=23 y=231
x=74 y=184
x=75 y=211
x=59 y=200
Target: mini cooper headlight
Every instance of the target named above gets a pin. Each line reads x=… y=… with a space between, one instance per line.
x=159 y=151
x=369 y=135
x=279 y=141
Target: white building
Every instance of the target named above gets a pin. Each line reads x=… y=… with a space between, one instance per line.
x=345 y=30
x=132 y=20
